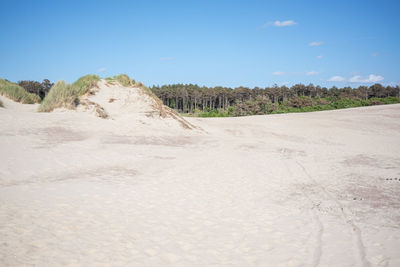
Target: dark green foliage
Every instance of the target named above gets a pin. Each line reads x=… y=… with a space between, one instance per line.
x=387 y=100
x=346 y=103
x=214 y=113
x=34 y=87
x=1 y=104
x=339 y=104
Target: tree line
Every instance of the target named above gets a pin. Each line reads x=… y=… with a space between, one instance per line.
x=202 y=100
x=191 y=98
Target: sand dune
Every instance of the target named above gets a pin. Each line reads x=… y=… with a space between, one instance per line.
x=312 y=189
x=131 y=104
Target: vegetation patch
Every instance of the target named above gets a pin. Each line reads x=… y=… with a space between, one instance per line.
x=1 y=104
x=124 y=80
x=67 y=96
x=83 y=84
x=35 y=87
x=260 y=107
x=60 y=95
x=17 y=93
x=202 y=101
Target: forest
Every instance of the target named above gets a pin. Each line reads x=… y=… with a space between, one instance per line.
x=224 y=101
x=193 y=100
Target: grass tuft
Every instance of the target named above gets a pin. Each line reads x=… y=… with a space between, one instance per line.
x=60 y=95
x=17 y=93
x=1 y=104
x=124 y=80
x=83 y=84
x=67 y=96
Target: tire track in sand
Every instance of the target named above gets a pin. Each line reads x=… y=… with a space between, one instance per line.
x=355 y=231
x=316 y=258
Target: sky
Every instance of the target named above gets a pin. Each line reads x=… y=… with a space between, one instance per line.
x=211 y=43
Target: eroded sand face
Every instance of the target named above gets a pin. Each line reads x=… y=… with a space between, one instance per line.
x=314 y=189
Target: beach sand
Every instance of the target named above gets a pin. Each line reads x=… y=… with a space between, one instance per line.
x=306 y=189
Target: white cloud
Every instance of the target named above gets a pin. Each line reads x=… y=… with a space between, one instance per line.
x=355 y=79
x=284 y=23
x=166 y=58
x=312 y=73
x=278 y=73
x=316 y=43
x=372 y=78
x=283 y=83
x=319 y=57
x=336 y=79
x=101 y=69
x=374 y=54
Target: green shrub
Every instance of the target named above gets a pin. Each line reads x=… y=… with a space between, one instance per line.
x=17 y=93
x=1 y=104
x=346 y=103
x=387 y=100
x=214 y=113
x=83 y=84
x=60 y=95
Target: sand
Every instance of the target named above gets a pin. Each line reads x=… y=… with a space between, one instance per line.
x=310 y=189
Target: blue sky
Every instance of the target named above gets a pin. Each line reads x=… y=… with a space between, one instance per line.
x=227 y=43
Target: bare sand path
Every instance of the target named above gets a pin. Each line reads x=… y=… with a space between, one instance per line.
x=311 y=189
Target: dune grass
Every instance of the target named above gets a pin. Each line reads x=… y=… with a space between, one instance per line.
x=17 y=93
x=83 y=84
x=60 y=95
x=124 y=80
x=66 y=95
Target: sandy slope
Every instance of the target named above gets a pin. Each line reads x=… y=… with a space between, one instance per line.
x=130 y=105
x=313 y=189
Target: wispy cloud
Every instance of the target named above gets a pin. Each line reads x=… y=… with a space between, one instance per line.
x=284 y=23
x=166 y=58
x=374 y=54
x=336 y=79
x=312 y=73
x=320 y=57
x=372 y=78
x=101 y=70
x=316 y=43
x=279 y=23
x=276 y=73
